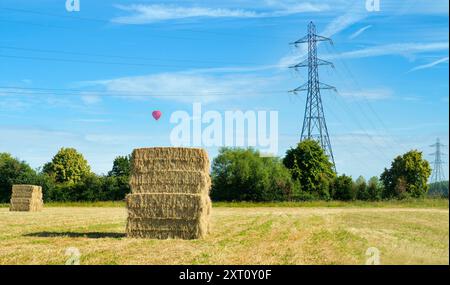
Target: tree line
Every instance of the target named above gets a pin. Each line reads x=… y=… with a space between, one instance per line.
x=304 y=173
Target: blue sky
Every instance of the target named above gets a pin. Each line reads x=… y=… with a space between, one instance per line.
x=91 y=79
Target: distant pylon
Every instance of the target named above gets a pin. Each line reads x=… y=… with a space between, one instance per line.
x=314 y=125
x=438 y=173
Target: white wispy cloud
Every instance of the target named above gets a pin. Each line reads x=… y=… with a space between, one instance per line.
x=429 y=65
x=359 y=32
x=90 y=99
x=338 y=24
x=404 y=49
x=185 y=87
x=92 y=120
x=370 y=94
x=146 y=14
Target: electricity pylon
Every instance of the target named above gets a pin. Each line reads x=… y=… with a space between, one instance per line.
x=314 y=124
x=438 y=173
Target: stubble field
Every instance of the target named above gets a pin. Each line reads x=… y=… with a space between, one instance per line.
x=241 y=234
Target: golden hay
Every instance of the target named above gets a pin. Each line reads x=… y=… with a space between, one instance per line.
x=171 y=177
x=155 y=164
x=156 y=234
x=167 y=228
x=170 y=188
x=184 y=206
x=26 y=198
x=170 y=153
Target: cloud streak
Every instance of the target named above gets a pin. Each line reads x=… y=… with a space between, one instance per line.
x=185 y=87
x=337 y=25
x=373 y=94
x=147 y=14
x=430 y=65
x=405 y=49
x=359 y=32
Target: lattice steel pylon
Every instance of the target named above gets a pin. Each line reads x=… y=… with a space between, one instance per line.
x=438 y=172
x=314 y=124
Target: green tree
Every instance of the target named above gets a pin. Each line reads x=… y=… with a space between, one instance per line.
x=309 y=165
x=67 y=165
x=243 y=175
x=343 y=188
x=439 y=189
x=407 y=176
x=121 y=166
x=362 y=191
x=374 y=189
x=13 y=171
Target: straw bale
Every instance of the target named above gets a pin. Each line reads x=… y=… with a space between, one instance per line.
x=167 y=228
x=169 y=153
x=26 y=198
x=156 y=234
x=171 y=182
x=142 y=166
x=168 y=188
x=184 y=206
x=26 y=207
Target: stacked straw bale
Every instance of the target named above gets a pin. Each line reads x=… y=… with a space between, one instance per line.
x=169 y=193
x=26 y=198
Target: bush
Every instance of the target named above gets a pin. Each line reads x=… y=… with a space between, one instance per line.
x=243 y=175
x=91 y=188
x=375 y=189
x=343 y=188
x=13 y=171
x=361 y=189
x=439 y=189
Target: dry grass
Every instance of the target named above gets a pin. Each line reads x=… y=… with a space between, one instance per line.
x=257 y=235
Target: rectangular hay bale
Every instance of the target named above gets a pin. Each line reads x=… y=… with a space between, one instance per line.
x=169 y=193
x=176 y=206
x=142 y=166
x=26 y=198
x=169 y=153
x=167 y=228
x=168 y=188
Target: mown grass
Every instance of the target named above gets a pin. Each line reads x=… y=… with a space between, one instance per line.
x=407 y=203
x=239 y=235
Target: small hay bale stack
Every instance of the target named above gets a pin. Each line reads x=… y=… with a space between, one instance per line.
x=27 y=198
x=169 y=193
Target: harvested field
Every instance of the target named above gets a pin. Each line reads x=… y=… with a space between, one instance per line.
x=255 y=235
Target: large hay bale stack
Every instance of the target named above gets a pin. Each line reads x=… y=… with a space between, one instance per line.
x=27 y=198
x=169 y=193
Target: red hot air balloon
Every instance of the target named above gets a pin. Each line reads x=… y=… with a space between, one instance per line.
x=156 y=115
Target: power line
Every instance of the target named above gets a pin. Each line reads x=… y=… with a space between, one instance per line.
x=85 y=92
x=356 y=83
x=106 y=21
x=90 y=61
x=112 y=56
